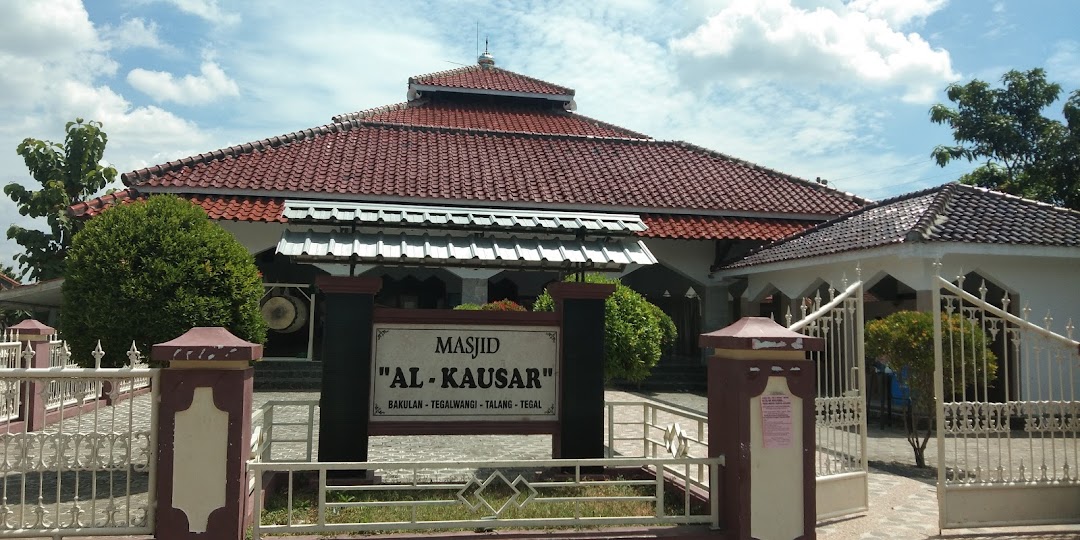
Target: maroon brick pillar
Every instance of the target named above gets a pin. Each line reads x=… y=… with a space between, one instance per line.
x=36 y=335
x=204 y=435
x=761 y=419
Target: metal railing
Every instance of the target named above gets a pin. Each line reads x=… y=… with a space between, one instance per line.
x=648 y=429
x=1008 y=412
x=489 y=494
x=88 y=472
x=11 y=393
x=284 y=431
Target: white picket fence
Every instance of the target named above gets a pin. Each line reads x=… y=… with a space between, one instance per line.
x=90 y=470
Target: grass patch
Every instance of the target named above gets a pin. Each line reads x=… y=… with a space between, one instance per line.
x=392 y=504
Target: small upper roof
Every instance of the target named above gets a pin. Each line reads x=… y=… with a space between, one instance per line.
x=479 y=78
x=950 y=213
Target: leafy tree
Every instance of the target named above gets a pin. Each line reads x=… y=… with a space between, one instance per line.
x=149 y=271
x=10 y=316
x=636 y=332
x=1022 y=151
x=68 y=174
x=905 y=342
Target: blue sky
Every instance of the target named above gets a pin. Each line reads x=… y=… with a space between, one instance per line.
x=831 y=89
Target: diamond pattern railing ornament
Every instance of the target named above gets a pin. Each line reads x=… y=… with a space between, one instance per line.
x=516 y=499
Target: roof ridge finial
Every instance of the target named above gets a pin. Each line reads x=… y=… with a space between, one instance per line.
x=485 y=60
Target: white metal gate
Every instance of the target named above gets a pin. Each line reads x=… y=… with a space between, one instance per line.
x=1010 y=461
x=840 y=406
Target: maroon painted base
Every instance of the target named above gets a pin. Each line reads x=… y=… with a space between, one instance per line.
x=232 y=394
x=732 y=383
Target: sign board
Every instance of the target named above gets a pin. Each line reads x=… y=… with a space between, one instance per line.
x=442 y=372
x=776 y=416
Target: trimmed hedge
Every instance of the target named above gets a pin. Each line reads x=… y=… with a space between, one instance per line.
x=149 y=271
x=636 y=332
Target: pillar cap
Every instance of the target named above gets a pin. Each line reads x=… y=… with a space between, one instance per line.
x=759 y=334
x=348 y=284
x=204 y=344
x=580 y=291
x=31 y=328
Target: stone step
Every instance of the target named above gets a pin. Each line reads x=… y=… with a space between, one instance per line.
x=288 y=375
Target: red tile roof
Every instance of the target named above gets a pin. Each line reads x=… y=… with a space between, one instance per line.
x=98 y=205
x=269 y=209
x=7 y=282
x=507 y=118
x=353 y=160
x=496 y=79
x=716 y=227
x=232 y=207
x=241 y=208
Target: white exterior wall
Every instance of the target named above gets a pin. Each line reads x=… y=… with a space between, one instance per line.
x=1042 y=278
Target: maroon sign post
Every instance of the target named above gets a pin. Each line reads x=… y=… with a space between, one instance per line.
x=761 y=419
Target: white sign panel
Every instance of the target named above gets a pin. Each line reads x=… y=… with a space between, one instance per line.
x=442 y=372
x=776 y=421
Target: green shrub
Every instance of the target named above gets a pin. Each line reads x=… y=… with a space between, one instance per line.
x=498 y=305
x=149 y=271
x=502 y=305
x=636 y=332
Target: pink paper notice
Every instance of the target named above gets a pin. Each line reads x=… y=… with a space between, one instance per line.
x=776 y=421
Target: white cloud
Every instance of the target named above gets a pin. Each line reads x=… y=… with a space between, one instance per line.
x=897 y=12
x=211 y=84
x=209 y=10
x=1063 y=66
x=53 y=61
x=749 y=41
x=134 y=33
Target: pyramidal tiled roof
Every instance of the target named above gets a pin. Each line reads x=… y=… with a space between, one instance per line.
x=491 y=79
x=497 y=146
x=519 y=118
x=950 y=213
x=355 y=161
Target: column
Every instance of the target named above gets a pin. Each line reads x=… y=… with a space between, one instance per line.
x=761 y=419
x=203 y=434
x=715 y=310
x=474 y=283
x=346 y=356
x=581 y=407
x=35 y=335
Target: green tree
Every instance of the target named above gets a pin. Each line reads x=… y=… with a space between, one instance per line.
x=904 y=341
x=1022 y=151
x=636 y=332
x=149 y=271
x=68 y=174
x=9 y=316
